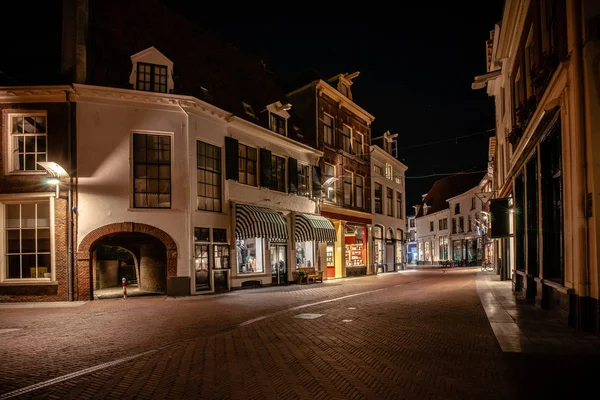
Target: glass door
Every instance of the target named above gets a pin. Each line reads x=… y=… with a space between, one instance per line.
x=278 y=264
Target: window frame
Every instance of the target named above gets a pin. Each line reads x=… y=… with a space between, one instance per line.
x=378 y=210
x=389 y=171
x=276 y=185
x=152 y=81
x=333 y=185
x=359 y=189
x=399 y=210
x=219 y=173
x=22 y=199
x=357 y=149
x=304 y=180
x=389 y=201
x=378 y=170
x=256 y=167
x=330 y=128
x=348 y=175
x=279 y=122
x=133 y=165
x=347 y=139
x=8 y=135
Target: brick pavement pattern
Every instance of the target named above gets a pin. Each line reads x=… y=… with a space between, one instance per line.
x=419 y=335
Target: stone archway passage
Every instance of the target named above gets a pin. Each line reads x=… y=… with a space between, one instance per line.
x=83 y=271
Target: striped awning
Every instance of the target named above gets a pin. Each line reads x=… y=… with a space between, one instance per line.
x=255 y=221
x=314 y=227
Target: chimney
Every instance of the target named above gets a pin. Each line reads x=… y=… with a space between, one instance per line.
x=74 y=40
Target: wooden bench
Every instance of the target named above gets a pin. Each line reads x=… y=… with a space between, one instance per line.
x=313 y=274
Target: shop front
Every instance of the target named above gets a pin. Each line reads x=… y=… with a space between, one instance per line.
x=261 y=247
x=378 y=249
x=355 y=249
x=312 y=235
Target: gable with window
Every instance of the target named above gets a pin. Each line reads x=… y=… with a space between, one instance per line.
x=277 y=124
x=27 y=141
x=151 y=71
x=27 y=243
x=208 y=177
x=151 y=171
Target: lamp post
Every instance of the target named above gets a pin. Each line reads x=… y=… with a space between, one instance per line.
x=57 y=173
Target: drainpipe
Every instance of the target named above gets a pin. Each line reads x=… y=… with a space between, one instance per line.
x=187 y=212
x=70 y=276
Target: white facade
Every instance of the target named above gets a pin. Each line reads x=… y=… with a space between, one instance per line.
x=389 y=219
x=429 y=231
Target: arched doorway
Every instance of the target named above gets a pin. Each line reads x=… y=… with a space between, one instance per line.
x=142 y=254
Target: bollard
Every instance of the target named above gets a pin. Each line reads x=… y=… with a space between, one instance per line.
x=124 y=287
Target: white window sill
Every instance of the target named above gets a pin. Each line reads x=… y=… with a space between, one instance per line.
x=23 y=282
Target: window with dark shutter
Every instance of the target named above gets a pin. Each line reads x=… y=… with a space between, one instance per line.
x=265 y=168
x=292 y=175
x=316 y=182
x=231 y=158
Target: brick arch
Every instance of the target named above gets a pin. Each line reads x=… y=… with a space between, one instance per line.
x=83 y=270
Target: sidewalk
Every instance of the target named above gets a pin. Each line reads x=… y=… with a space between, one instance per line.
x=524 y=328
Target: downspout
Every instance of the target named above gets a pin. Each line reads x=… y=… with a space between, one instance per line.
x=70 y=276
x=578 y=106
x=187 y=212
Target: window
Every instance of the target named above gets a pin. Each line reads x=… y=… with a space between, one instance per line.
x=453 y=225
x=397 y=178
x=411 y=223
x=27 y=240
x=152 y=171
x=277 y=124
x=303 y=180
x=201 y=258
x=219 y=235
x=221 y=256
x=357 y=144
x=443 y=224
x=328 y=129
x=389 y=202
x=347 y=182
x=377 y=170
x=151 y=77
x=461 y=224
x=399 y=210
x=329 y=182
x=378 y=194
x=469 y=223
x=443 y=248
x=247 y=165
x=249 y=255
x=346 y=138
x=27 y=141
x=209 y=177
x=473 y=203
x=389 y=172
x=358 y=191
x=277 y=173
x=201 y=235
x=457 y=208
x=430 y=226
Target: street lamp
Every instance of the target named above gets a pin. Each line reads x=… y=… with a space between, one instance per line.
x=56 y=172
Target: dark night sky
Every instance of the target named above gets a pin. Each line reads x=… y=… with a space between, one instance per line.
x=416 y=65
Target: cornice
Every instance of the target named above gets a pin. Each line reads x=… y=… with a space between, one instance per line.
x=345 y=211
x=324 y=87
x=380 y=152
x=275 y=138
x=34 y=94
x=138 y=96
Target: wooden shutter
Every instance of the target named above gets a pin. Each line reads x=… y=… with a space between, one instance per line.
x=292 y=175
x=231 y=158
x=265 y=168
x=316 y=181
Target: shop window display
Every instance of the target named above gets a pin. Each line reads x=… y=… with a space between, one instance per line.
x=249 y=255
x=356 y=251
x=305 y=254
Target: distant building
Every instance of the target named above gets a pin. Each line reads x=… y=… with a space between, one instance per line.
x=411 y=240
x=389 y=199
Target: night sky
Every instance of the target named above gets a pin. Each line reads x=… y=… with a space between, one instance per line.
x=416 y=65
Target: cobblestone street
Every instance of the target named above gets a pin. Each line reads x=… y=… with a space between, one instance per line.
x=415 y=334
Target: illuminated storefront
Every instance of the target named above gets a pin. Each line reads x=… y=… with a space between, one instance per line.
x=355 y=249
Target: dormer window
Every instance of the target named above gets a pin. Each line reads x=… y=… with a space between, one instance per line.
x=151 y=71
x=151 y=77
x=249 y=110
x=277 y=124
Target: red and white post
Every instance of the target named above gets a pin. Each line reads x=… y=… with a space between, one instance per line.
x=124 y=281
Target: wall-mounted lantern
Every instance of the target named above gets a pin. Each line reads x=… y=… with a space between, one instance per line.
x=56 y=174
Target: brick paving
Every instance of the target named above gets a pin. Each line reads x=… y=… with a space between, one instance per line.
x=422 y=334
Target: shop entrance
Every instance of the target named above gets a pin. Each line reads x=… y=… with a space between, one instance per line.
x=389 y=256
x=279 y=264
